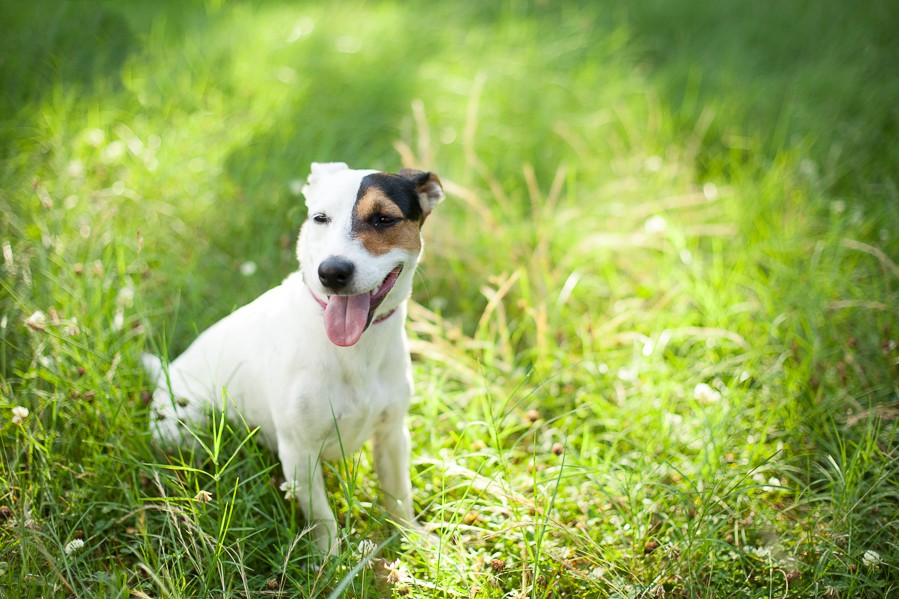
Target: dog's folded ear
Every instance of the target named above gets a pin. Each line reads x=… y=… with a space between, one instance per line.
x=320 y=171
x=428 y=186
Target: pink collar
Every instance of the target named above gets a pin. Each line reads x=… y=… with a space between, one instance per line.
x=325 y=305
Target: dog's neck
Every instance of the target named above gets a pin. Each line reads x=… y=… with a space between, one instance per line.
x=325 y=305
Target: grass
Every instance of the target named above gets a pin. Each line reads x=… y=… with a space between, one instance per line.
x=654 y=332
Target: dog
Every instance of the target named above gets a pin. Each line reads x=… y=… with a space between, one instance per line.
x=321 y=363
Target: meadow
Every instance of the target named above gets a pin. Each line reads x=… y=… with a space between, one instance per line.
x=654 y=332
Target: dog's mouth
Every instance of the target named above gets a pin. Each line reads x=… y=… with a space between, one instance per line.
x=347 y=316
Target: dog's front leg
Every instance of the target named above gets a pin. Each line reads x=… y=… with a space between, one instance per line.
x=304 y=479
x=391 y=455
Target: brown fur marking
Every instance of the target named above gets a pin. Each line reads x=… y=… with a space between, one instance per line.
x=378 y=241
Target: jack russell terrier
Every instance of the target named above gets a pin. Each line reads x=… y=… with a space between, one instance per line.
x=321 y=363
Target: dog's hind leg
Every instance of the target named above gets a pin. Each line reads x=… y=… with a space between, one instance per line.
x=174 y=404
x=305 y=482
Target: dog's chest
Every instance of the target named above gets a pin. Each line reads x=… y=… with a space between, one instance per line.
x=356 y=405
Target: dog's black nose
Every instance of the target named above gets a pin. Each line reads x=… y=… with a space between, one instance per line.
x=335 y=272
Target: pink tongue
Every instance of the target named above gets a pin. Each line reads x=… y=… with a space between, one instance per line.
x=345 y=318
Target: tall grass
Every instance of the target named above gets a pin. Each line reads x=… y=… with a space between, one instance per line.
x=653 y=332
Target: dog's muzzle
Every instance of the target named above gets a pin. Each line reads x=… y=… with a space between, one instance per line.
x=347 y=316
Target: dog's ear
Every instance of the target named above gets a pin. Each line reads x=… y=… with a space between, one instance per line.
x=428 y=186
x=321 y=171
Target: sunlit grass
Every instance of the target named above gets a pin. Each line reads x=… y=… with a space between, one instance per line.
x=654 y=330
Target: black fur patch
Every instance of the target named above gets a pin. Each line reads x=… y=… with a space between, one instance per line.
x=400 y=190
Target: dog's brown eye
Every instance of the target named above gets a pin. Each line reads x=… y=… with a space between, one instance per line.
x=386 y=220
x=320 y=218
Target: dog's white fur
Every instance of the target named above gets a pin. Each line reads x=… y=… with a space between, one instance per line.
x=311 y=399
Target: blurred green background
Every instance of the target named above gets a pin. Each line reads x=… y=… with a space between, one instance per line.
x=668 y=250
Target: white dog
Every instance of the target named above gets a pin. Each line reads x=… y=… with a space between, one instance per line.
x=321 y=363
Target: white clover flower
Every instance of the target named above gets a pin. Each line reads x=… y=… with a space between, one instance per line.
x=655 y=225
x=704 y=393
x=248 y=268
x=74 y=546
x=290 y=488
x=19 y=414
x=118 y=321
x=772 y=485
x=72 y=329
x=125 y=296
x=36 y=321
x=397 y=572
x=871 y=559
x=364 y=549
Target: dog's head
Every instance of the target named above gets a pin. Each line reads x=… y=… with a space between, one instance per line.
x=360 y=244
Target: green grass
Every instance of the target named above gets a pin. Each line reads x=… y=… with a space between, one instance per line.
x=643 y=198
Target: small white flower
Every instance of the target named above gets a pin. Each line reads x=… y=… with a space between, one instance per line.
x=36 y=321
x=772 y=485
x=19 y=414
x=74 y=546
x=248 y=268
x=704 y=393
x=397 y=573
x=125 y=296
x=118 y=321
x=364 y=549
x=655 y=225
x=72 y=329
x=290 y=488
x=203 y=497
x=871 y=559
x=597 y=573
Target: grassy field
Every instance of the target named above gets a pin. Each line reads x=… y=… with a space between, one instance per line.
x=655 y=332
